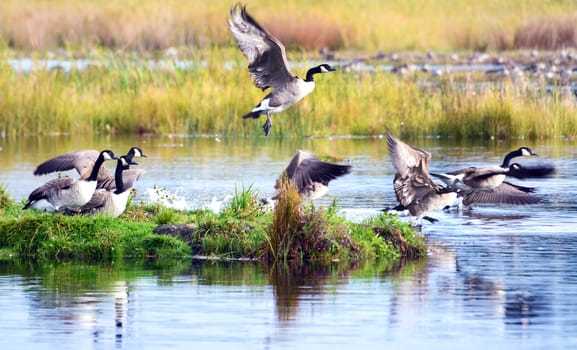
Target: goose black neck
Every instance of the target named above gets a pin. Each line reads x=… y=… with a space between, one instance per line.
x=508 y=157
x=311 y=72
x=94 y=174
x=118 y=177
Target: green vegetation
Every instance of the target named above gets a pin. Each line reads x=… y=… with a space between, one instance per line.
x=243 y=230
x=127 y=96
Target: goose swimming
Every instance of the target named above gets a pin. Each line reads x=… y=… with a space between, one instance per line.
x=67 y=193
x=268 y=67
x=311 y=175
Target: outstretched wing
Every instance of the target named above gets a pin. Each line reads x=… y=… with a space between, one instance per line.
x=268 y=64
x=83 y=161
x=505 y=193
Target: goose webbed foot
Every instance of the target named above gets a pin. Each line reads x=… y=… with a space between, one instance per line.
x=267 y=126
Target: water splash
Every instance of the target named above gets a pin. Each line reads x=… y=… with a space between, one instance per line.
x=161 y=195
x=177 y=200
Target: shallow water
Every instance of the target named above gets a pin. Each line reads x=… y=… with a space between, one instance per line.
x=495 y=277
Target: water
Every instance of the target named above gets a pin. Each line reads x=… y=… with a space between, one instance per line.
x=496 y=277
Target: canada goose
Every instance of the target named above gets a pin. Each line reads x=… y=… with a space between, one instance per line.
x=66 y=192
x=492 y=176
x=111 y=202
x=412 y=184
x=129 y=176
x=83 y=161
x=487 y=184
x=268 y=66
x=311 y=175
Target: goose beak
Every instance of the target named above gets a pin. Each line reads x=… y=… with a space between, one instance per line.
x=133 y=163
x=332 y=69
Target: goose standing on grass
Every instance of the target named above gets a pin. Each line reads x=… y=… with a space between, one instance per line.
x=67 y=193
x=129 y=176
x=83 y=161
x=311 y=175
x=414 y=188
x=111 y=202
x=268 y=67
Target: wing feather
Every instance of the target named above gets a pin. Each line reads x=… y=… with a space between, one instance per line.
x=268 y=64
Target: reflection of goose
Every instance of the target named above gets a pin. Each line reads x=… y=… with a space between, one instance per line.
x=83 y=161
x=111 y=202
x=311 y=175
x=413 y=186
x=67 y=192
x=268 y=66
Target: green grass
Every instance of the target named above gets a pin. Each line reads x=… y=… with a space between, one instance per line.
x=126 y=98
x=294 y=232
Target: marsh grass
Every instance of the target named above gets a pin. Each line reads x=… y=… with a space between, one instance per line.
x=551 y=33
x=300 y=232
x=242 y=230
x=127 y=96
x=366 y=25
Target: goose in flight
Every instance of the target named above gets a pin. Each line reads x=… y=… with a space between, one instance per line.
x=311 y=175
x=414 y=188
x=268 y=67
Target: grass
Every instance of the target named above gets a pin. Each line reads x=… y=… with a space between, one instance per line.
x=242 y=230
x=125 y=95
x=365 y=25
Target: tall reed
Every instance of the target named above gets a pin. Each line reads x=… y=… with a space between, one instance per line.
x=123 y=95
x=366 y=25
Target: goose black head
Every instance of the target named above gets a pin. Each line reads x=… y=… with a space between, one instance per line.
x=126 y=162
x=135 y=152
x=325 y=68
x=526 y=151
x=322 y=68
x=108 y=155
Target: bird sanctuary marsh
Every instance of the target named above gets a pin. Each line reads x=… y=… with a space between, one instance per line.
x=172 y=67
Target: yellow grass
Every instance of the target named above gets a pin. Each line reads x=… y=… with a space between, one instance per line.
x=366 y=25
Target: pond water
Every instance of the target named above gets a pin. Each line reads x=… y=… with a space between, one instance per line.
x=495 y=277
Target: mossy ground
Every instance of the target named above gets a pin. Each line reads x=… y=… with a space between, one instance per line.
x=243 y=230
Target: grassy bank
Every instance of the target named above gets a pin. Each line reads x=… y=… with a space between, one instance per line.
x=125 y=95
x=365 y=25
x=243 y=230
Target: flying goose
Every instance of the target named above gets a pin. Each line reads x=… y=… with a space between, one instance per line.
x=268 y=67
x=66 y=192
x=413 y=186
x=311 y=175
x=83 y=161
x=487 y=184
x=111 y=202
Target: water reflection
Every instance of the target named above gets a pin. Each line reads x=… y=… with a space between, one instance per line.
x=496 y=276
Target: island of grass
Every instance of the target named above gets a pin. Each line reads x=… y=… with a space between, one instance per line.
x=292 y=232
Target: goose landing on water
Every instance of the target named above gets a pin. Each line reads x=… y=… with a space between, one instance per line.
x=311 y=175
x=67 y=193
x=268 y=67
x=413 y=186
x=487 y=185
